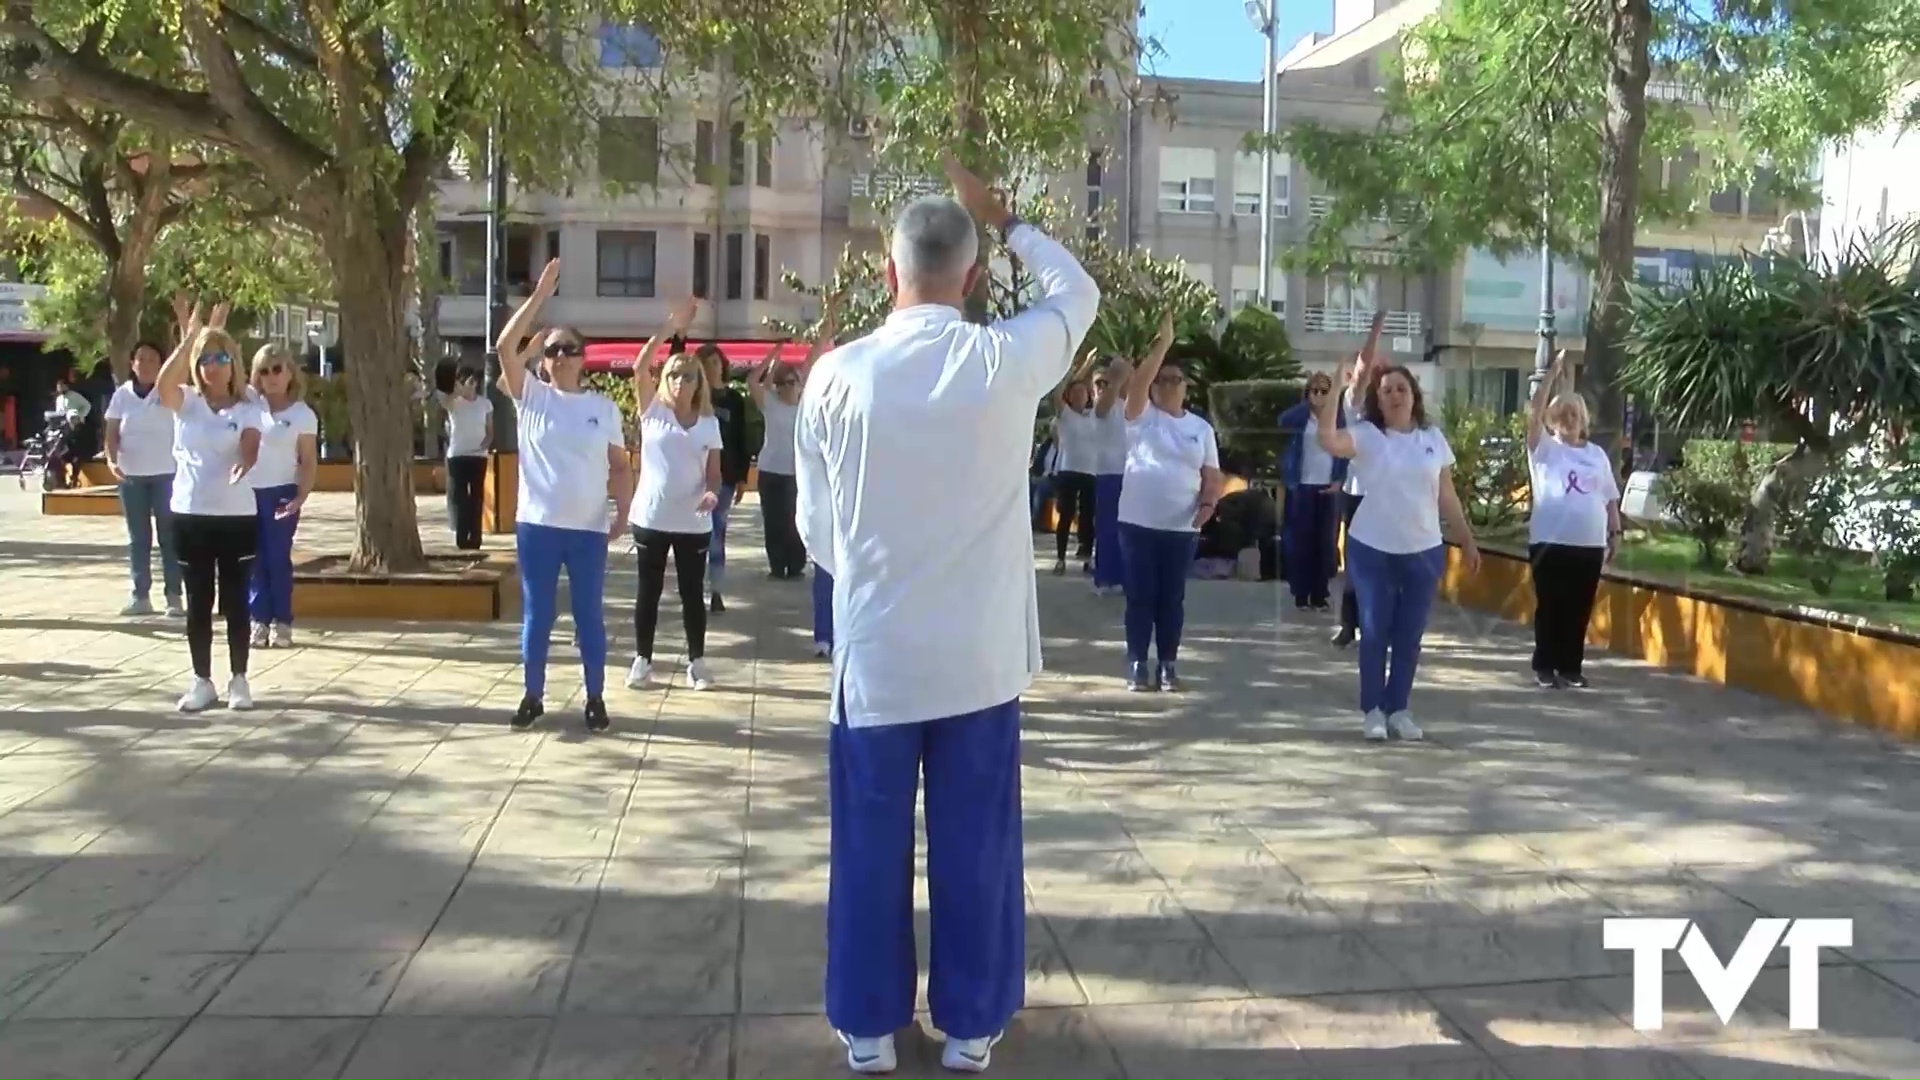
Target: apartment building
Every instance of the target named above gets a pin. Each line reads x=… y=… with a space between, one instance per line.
x=1866 y=185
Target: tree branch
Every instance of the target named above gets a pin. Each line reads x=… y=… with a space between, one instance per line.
x=232 y=19
x=429 y=145
x=40 y=200
x=280 y=151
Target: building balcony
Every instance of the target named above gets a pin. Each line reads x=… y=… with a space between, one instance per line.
x=1337 y=320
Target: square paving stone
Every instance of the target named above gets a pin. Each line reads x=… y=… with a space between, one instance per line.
x=392 y=916
x=225 y=924
x=1387 y=1027
x=664 y=984
x=1117 y=973
x=450 y=1047
x=135 y=986
x=463 y=983
x=311 y=984
x=1587 y=1063
x=1226 y=1039
x=537 y=904
x=82 y=1049
x=22 y=975
x=229 y=1047
x=628 y=925
x=1328 y=963
x=668 y=1048
x=84 y=902
x=1519 y=1018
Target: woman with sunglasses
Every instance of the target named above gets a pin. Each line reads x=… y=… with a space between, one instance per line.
x=216 y=438
x=573 y=458
x=680 y=489
x=779 y=491
x=1310 y=516
x=1172 y=486
x=469 y=435
x=282 y=477
x=1109 y=474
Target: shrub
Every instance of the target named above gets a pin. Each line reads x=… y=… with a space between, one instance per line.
x=1490 y=462
x=1809 y=524
x=1709 y=493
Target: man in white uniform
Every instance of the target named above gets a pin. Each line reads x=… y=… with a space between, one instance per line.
x=912 y=471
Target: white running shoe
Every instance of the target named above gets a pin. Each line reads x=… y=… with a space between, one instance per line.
x=239 y=694
x=1402 y=726
x=822 y=650
x=260 y=632
x=640 y=674
x=139 y=605
x=698 y=676
x=1374 y=726
x=969 y=1055
x=870 y=1056
x=282 y=635
x=199 y=697
x=174 y=610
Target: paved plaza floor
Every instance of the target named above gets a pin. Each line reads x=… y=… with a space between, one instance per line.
x=370 y=875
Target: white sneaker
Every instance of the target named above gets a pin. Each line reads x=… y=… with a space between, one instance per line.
x=239 y=694
x=174 y=610
x=640 y=674
x=870 y=1055
x=139 y=605
x=698 y=676
x=282 y=635
x=200 y=696
x=822 y=650
x=969 y=1055
x=260 y=632
x=1374 y=726
x=1402 y=726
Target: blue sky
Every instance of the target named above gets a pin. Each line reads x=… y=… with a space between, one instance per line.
x=1212 y=39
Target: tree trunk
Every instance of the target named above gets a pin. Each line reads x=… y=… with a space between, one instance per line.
x=1755 y=554
x=126 y=302
x=367 y=247
x=1623 y=130
x=426 y=281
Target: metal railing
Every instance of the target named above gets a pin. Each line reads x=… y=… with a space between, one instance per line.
x=1342 y=320
x=887 y=186
x=1319 y=206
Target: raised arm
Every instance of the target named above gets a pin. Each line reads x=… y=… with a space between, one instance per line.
x=1362 y=375
x=1078 y=372
x=644 y=380
x=1542 y=397
x=171 y=383
x=1140 y=384
x=515 y=345
x=825 y=339
x=1334 y=438
x=762 y=373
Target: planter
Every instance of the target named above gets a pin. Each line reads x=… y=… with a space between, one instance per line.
x=96 y=474
x=100 y=501
x=429 y=476
x=477 y=587
x=1830 y=663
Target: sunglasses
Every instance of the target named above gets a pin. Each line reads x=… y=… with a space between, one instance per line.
x=784 y=383
x=220 y=358
x=683 y=375
x=1169 y=379
x=272 y=369
x=562 y=348
x=1100 y=384
x=1318 y=391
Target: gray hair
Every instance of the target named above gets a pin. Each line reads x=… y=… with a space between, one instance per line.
x=934 y=241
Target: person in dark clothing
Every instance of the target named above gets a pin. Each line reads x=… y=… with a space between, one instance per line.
x=1310 y=526
x=730 y=409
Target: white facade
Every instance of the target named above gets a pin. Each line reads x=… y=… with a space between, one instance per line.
x=1867 y=184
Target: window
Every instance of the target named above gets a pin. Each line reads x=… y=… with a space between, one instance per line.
x=1351 y=301
x=1096 y=168
x=763 y=162
x=1200 y=272
x=519 y=268
x=737 y=155
x=1725 y=201
x=628 y=45
x=702 y=265
x=1095 y=200
x=553 y=244
x=1762 y=200
x=736 y=254
x=1246 y=289
x=630 y=149
x=703 y=152
x=762 y=265
x=1186 y=180
x=446 y=259
x=626 y=263
x=1246 y=184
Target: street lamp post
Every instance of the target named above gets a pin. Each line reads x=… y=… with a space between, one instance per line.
x=1263 y=14
x=496 y=298
x=1543 y=350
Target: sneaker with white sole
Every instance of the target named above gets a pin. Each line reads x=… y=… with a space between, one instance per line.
x=698 y=676
x=260 y=632
x=174 y=610
x=640 y=674
x=1374 y=726
x=1401 y=725
x=822 y=650
x=200 y=696
x=239 y=694
x=870 y=1056
x=139 y=605
x=969 y=1055
x=282 y=635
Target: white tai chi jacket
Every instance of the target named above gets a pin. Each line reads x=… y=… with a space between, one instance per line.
x=913 y=447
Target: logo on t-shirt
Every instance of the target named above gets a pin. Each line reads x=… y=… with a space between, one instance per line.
x=1573 y=484
x=593 y=421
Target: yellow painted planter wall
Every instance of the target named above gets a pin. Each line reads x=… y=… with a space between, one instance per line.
x=99 y=501
x=1839 y=671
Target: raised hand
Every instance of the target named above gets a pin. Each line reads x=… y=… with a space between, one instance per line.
x=989 y=207
x=682 y=315
x=218 y=319
x=183 y=308
x=549 y=282
x=1165 y=334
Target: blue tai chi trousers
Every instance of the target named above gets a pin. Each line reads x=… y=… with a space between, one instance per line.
x=977 y=979
x=1396 y=596
x=822 y=606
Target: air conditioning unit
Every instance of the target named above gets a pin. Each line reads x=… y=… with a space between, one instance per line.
x=860 y=128
x=1403 y=344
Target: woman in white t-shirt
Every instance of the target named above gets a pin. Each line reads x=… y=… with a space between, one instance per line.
x=1395 y=551
x=1573 y=531
x=140 y=453
x=573 y=457
x=469 y=437
x=673 y=506
x=1076 y=434
x=216 y=437
x=775 y=388
x=1109 y=474
x=1172 y=485
x=282 y=478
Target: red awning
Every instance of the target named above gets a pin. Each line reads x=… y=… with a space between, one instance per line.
x=618 y=356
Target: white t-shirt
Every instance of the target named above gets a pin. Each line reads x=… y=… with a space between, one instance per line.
x=206 y=447
x=673 y=471
x=1078 y=436
x=1401 y=475
x=146 y=431
x=776 y=443
x=1316 y=465
x=466 y=424
x=564 y=439
x=1165 y=454
x=1572 y=486
x=74 y=404
x=279 y=461
x=1111 y=439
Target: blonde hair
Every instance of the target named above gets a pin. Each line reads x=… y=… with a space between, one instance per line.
x=212 y=339
x=702 y=392
x=1571 y=410
x=296 y=378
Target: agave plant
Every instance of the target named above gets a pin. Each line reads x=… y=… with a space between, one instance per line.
x=1825 y=351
